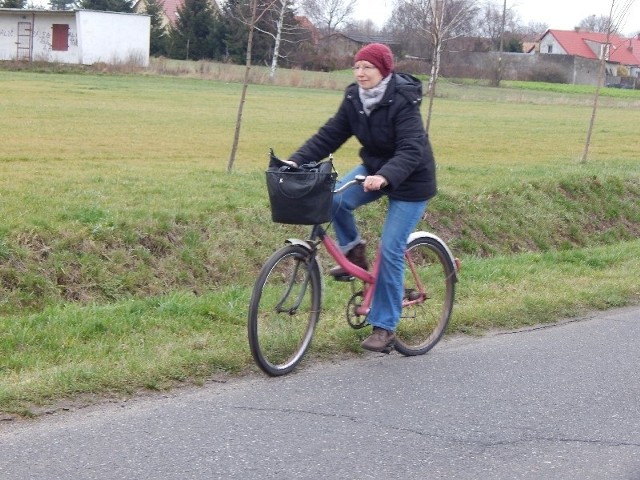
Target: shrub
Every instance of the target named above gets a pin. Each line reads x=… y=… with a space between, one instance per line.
x=548 y=74
x=413 y=66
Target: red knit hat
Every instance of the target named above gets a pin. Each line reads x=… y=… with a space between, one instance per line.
x=379 y=55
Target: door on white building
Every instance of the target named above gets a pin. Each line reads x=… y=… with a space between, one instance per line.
x=25 y=41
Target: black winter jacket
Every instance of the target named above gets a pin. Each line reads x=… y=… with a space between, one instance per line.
x=394 y=142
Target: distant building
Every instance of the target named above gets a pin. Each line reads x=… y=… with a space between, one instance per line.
x=346 y=45
x=618 y=52
x=170 y=9
x=314 y=32
x=74 y=36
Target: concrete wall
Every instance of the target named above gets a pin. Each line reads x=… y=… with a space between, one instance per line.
x=113 y=37
x=41 y=26
x=93 y=36
x=521 y=66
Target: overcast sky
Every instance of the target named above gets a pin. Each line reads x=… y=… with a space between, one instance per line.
x=558 y=14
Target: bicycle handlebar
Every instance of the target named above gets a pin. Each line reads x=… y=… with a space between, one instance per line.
x=358 y=180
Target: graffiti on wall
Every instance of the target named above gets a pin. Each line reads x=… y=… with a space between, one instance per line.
x=41 y=37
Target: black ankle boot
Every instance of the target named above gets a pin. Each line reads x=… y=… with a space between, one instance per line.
x=356 y=255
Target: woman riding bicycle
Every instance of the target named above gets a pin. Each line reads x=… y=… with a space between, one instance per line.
x=382 y=110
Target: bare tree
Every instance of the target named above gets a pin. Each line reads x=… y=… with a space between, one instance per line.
x=409 y=25
x=245 y=85
x=533 y=29
x=446 y=18
x=617 y=15
x=595 y=23
x=328 y=15
x=435 y=21
x=490 y=18
x=282 y=9
x=501 y=24
x=362 y=27
x=275 y=13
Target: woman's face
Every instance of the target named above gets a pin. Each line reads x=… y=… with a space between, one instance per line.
x=366 y=74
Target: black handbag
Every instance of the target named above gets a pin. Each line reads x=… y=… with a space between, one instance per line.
x=303 y=195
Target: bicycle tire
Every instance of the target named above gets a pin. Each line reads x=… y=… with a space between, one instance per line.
x=423 y=324
x=284 y=309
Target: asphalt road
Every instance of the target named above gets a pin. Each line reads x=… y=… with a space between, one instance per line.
x=558 y=402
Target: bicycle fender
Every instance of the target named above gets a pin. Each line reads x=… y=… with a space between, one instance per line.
x=455 y=263
x=299 y=243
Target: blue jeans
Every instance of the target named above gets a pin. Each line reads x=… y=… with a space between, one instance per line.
x=402 y=218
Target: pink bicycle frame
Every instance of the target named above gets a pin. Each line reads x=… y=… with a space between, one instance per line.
x=369 y=278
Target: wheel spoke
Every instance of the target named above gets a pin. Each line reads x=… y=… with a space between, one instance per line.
x=429 y=279
x=284 y=309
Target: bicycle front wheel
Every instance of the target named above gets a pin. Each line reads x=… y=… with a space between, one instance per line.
x=284 y=309
x=429 y=293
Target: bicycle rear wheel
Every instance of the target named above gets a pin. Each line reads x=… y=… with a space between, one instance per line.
x=430 y=289
x=284 y=309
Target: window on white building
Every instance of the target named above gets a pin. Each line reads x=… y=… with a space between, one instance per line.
x=60 y=37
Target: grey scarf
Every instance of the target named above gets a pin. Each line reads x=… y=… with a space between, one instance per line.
x=371 y=97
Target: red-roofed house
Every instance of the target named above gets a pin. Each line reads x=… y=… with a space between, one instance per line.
x=170 y=8
x=307 y=24
x=592 y=45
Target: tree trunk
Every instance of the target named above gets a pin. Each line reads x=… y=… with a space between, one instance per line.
x=433 y=80
x=599 y=83
x=601 y=74
x=245 y=85
x=276 y=46
x=437 y=16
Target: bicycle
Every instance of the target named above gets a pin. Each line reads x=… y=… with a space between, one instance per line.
x=286 y=300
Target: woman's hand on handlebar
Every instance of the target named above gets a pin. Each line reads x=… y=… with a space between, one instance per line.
x=373 y=183
x=291 y=163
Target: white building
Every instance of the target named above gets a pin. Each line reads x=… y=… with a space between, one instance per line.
x=74 y=36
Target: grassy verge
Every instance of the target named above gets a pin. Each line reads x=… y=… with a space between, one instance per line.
x=93 y=254
x=122 y=347
x=127 y=254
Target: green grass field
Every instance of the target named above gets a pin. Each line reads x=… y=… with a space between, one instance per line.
x=127 y=253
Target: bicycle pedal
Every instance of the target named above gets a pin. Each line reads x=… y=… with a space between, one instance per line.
x=344 y=278
x=411 y=294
